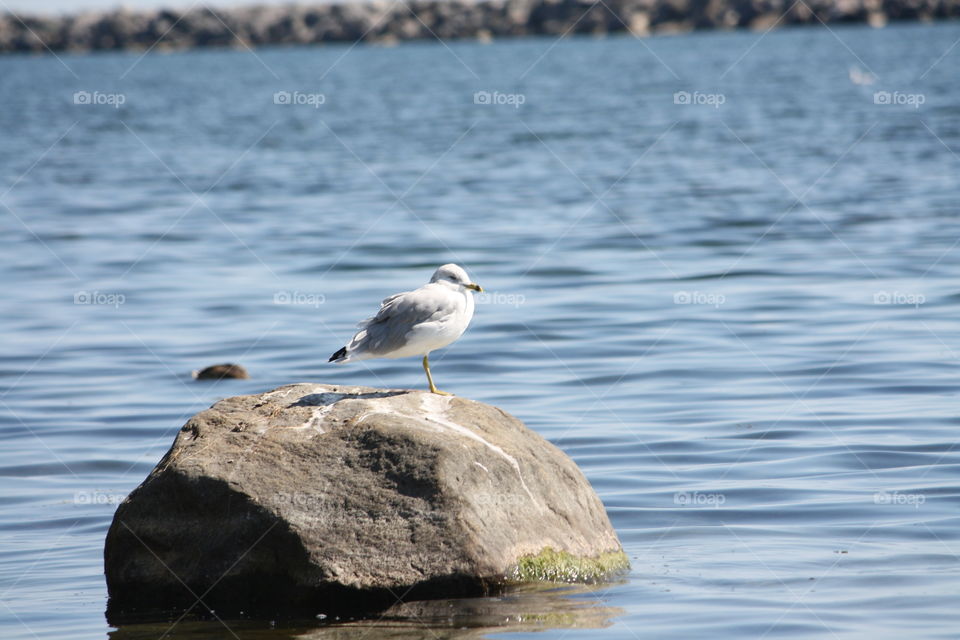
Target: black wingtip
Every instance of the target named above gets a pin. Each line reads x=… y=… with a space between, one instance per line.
x=339 y=354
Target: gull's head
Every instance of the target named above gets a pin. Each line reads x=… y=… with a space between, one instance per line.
x=453 y=275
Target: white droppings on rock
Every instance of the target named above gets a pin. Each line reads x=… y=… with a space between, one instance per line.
x=436 y=409
x=317 y=419
x=283 y=392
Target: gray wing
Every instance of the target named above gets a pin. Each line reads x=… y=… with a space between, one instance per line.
x=398 y=315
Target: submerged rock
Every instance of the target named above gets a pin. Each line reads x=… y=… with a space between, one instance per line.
x=221 y=371
x=343 y=500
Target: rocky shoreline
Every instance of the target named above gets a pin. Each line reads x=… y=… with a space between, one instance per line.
x=387 y=22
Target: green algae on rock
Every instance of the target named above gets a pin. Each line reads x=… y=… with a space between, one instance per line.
x=551 y=565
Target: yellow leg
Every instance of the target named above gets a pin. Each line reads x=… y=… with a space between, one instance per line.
x=433 y=387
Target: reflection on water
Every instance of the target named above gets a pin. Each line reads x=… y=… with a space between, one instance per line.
x=523 y=609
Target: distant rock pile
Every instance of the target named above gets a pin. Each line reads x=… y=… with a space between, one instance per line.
x=385 y=22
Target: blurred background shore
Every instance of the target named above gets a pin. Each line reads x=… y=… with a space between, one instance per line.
x=386 y=22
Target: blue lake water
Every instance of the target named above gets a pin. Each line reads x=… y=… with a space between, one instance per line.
x=723 y=278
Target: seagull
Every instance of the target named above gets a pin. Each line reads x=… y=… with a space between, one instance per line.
x=858 y=76
x=414 y=323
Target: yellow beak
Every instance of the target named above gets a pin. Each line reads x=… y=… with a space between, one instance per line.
x=474 y=286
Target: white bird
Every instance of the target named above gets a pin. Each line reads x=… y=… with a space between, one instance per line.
x=414 y=323
x=858 y=76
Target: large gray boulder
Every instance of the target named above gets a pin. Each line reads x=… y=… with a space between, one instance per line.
x=343 y=500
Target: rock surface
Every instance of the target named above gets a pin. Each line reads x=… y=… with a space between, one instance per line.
x=343 y=500
x=379 y=21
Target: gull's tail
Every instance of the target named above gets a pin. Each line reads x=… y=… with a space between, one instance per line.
x=339 y=356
